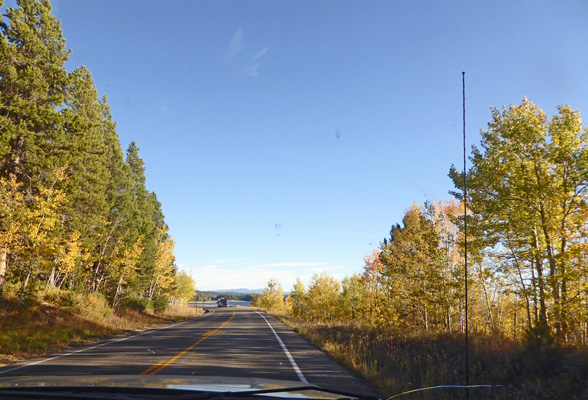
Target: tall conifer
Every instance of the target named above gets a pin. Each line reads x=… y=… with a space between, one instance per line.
x=33 y=84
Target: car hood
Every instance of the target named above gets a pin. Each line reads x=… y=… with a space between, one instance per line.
x=195 y=383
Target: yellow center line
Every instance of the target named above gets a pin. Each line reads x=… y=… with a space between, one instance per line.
x=151 y=368
x=155 y=368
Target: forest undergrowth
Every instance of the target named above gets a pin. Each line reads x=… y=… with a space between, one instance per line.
x=53 y=319
x=396 y=362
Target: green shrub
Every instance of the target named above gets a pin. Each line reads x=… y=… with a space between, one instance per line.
x=71 y=301
x=159 y=302
x=131 y=302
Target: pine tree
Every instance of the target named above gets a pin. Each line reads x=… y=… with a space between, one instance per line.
x=74 y=206
x=87 y=186
x=148 y=219
x=33 y=83
x=120 y=229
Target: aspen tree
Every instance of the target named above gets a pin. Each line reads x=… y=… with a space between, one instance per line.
x=528 y=199
x=11 y=217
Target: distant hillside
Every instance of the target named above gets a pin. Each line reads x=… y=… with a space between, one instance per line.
x=240 y=290
x=231 y=294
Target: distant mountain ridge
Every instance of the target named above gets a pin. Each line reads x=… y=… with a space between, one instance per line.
x=231 y=294
x=240 y=291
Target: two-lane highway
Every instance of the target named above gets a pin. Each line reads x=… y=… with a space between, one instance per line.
x=230 y=342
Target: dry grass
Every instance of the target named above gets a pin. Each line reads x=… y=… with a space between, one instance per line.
x=55 y=320
x=399 y=362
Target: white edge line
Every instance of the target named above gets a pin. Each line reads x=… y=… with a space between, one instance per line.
x=94 y=347
x=294 y=365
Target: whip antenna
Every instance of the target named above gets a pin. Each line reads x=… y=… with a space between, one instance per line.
x=465 y=221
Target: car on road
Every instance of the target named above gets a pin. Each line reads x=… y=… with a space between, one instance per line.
x=222 y=302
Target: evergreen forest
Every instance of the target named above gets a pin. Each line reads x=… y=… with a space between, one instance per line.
x=76 y=213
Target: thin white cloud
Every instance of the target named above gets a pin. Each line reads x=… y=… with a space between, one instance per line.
x=229 y=260
x=208 y=267
x=326 y=269
x=292 y=264
x=253 y=275
x=260 y=54
x=254 y=65
x=236 y=46
x=239 y=61
x=225 y=278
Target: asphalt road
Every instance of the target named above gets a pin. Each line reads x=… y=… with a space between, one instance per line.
x=228 y=342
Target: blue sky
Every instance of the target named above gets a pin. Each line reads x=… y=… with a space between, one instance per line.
x=284 y=138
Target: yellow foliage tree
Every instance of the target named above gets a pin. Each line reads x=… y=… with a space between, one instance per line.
x=67 y=257
x=322 y=297
x=38 y=248
x=375 y=301
x=163 y=276
x=10 y=221
x=272 y=297
x=351 y=299
x=297 y=299
x=184 y=289
x=125 y=266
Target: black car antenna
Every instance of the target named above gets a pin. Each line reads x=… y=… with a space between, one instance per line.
x=467 y=385
x=465 y=230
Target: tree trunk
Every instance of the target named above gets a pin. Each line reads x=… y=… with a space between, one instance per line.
x=51 y=280
x=24 y=287
x=118 y=289
x=500 y=310
x=99 y=262
x=490 y=316
x=514 y=323
x=3 y=268
x=555 y=283
x=426 y=320
x=98 y=283
x=535 y=298
x=151 y=291
x=564 y=302
x=541 y=283
x=525 y=293
x=63 y=280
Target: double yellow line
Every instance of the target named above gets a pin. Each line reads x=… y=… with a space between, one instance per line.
x=155 y=368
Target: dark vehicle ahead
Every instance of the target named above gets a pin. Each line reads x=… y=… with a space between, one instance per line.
x=222 y=302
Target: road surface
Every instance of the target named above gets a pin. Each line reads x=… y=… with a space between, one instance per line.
x=228 y=342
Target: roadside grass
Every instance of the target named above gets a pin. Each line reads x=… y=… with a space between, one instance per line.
x=396 y=362
x=54 y=319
